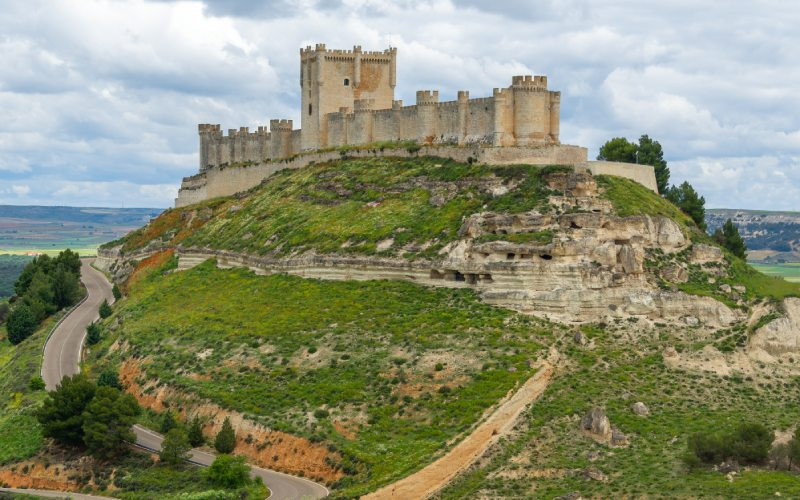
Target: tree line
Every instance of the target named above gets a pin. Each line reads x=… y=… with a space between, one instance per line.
x=45 y=285
x=649 y=152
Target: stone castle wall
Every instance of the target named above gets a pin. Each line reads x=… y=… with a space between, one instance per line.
x=229 y=180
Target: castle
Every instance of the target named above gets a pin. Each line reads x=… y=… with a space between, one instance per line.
x=347 y=98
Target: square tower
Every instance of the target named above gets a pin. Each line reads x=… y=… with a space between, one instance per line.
x=335 y=79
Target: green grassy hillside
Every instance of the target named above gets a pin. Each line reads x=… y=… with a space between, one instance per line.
x=623 y=364
x=409 y=367
x=387 y=375
x=349 y=206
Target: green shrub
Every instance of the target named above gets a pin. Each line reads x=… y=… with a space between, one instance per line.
x=62 y=413
x=168 y=422
x=92 y=334
x=195 y=432
x=36 y=384
x=225 y=441
x=175 y=447
x=228 y=471
x=21 y=324
x=109 y=378
x=749 y=443
x=105 y=310
x=116 y=292
x=321 y=413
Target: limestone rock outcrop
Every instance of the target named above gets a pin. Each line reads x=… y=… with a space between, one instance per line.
x=596 y=424
x=703 y=254
x=782 y=335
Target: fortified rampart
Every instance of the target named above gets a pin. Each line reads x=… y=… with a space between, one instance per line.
x=347 y=98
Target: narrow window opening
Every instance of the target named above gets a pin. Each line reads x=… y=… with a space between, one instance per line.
x=309 y=110
x=346 y=82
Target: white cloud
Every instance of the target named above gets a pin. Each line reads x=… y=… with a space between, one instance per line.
x=101 y=98
x=20 y=189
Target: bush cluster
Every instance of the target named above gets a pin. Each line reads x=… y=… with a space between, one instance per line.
x=45 y=286
x=79 y=412
x=749 y=443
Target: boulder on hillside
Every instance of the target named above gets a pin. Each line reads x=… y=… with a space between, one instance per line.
x=675 y=273
x=596 y=423
x=618 y=438
x=702 y=254
x=640 y=409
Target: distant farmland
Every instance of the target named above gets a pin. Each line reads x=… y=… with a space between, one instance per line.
x=39 y=229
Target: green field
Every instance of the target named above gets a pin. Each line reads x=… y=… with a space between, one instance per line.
x=39 y=229
x=789 y=271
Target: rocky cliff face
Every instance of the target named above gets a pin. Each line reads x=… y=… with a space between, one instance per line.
x=574 y=262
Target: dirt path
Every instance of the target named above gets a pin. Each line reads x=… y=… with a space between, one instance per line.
x=432 y=478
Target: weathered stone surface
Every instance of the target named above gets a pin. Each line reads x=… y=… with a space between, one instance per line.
x=691 y=321
x=640 y=409
x=670 y=352
x=618 y=438
x=597 y=424
x=675 y=273
x=740 y=289
x=579 y=338
x=782 y=335
x=725 y=288
x=627 y=258
x=702 y=254
x=594 y=474
x=574 y=495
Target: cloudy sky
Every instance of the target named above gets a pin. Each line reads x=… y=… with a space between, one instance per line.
x=99 y=100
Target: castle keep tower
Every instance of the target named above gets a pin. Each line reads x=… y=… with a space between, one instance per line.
x=334 y=79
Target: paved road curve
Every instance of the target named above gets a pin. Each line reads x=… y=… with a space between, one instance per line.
x=62 y=357
x=62 y=353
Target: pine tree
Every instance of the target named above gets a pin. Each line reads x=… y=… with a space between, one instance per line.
x=105 y=310
x=225 y=441
x=168 y=422
x=61 y=415
x=107 y=422
x=175 y=448
x=195 y=433
x=109 y=378
x=116 y=292
x=21 y=324
x=730 y=238
x=691 y=203
x=92 y=334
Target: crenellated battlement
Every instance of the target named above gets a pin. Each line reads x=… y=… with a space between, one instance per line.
x=529 y=82
x=280 y=125
x=427 y=96
x=347 y=98
x=341 y=54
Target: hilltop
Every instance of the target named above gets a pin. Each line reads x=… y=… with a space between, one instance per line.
x=637 y=302
x=357 y=318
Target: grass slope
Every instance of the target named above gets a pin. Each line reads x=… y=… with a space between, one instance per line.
x=419 y=365
x=623 y=367
x=350 y=205
x=21 y=434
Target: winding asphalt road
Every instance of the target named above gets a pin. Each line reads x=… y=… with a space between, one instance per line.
x=62 y=354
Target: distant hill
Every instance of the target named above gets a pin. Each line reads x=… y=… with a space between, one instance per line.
x=33 y=229
x=770 y=236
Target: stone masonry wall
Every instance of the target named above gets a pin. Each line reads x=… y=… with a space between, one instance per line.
x=226 y=181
